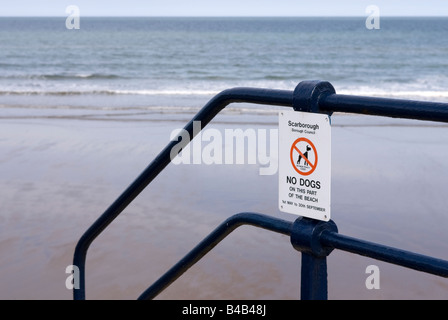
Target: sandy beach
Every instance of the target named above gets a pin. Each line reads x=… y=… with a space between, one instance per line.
x=59 y=173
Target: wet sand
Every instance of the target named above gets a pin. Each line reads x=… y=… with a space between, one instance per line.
x=58 y=175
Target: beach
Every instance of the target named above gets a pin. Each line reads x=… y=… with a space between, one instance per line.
x=84 y=112
x=59 y=175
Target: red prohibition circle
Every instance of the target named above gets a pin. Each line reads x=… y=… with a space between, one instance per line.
x=294 y=148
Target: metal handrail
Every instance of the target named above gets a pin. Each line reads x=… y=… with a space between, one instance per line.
x=208 y=112
x=384 y=253
x=314 y=239
x=222 y=231
x=308 y=96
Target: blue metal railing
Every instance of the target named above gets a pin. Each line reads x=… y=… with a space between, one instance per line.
x=314 y=239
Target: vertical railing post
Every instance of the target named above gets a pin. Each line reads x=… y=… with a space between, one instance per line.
x=314 y=280
x=306 y=232
x=305 y=237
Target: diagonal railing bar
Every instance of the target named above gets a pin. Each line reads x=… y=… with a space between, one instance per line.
x=222 y=231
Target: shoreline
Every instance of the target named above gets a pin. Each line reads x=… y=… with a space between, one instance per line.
x=241 y=114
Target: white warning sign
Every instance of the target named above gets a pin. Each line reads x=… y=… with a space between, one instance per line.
x=305 y=164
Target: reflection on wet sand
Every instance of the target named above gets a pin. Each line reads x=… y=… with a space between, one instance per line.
x=58 y=176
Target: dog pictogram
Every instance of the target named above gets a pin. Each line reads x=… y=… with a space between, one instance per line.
x=309 y=156
x=305 y=156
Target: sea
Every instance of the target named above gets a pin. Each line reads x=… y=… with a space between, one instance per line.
x=178 y=64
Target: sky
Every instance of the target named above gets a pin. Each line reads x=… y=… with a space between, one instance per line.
x=223 y=7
